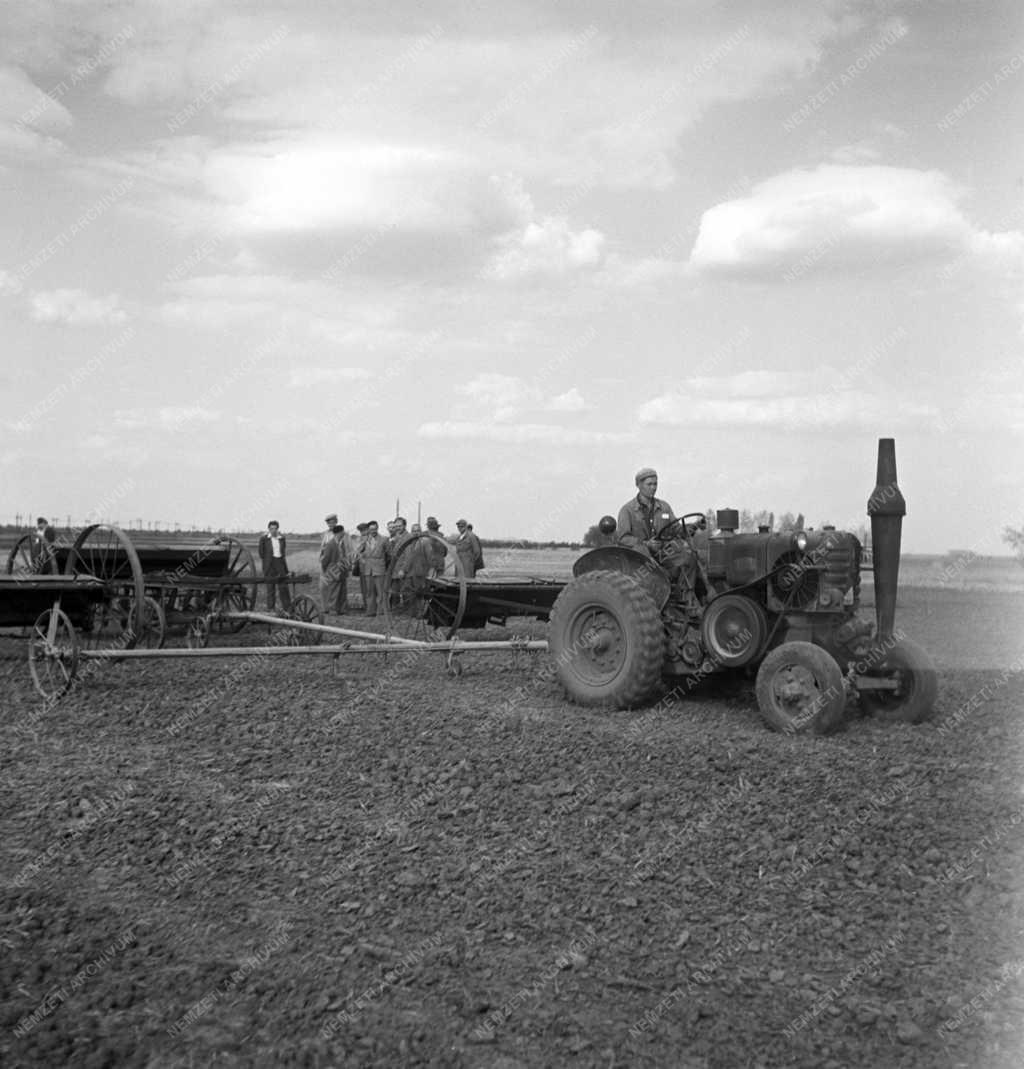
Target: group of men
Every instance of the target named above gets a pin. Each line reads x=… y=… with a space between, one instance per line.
x=368 y=555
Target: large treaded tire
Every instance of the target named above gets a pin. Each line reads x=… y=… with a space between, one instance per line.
x=800 y=690
x=607 y=640
x=913 y=669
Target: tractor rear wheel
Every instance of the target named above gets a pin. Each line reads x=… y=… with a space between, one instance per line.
x=607 y=640
x=800 y=689
x=912 y=670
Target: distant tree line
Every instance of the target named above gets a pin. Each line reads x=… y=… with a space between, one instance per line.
x=1014 y=538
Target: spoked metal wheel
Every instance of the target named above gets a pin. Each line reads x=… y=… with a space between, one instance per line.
x=154 y=625
x=53 y=653
x=420 y=604
x=304 y=608
x=106 y=553
x=22 y=561
x=240 y=597
x=197 y=636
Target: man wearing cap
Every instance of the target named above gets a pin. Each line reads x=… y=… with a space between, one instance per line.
x=467 y=546
x=641 y=521
x=643 y=517
x=328 y=535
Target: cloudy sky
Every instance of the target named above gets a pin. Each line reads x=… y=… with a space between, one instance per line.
x=295 y=257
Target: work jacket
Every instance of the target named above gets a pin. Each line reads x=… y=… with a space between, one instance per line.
x=638 y=524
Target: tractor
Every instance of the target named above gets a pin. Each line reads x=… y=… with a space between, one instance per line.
x=783 y=605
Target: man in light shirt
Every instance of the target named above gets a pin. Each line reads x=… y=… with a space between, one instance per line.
x=275 y=566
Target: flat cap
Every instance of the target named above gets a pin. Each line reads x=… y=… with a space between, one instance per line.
x=331 y=517
x=645 y=473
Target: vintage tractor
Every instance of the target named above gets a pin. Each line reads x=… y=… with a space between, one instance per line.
x=783 y=604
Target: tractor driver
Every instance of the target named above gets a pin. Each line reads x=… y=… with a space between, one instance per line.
x=643 y=518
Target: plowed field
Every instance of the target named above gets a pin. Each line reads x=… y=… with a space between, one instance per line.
x=261 y=862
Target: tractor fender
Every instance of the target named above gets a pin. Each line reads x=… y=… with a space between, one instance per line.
x=639 y=567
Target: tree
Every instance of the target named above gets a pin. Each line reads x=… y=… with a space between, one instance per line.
x=594 y=538
x=1014 y=538
x=787 y=522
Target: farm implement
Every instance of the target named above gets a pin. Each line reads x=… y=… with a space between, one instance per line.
x=103 y=598
x=782 y=607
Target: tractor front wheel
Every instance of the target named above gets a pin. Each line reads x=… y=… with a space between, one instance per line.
x=917 y=686
x=800 y=689
x=607 y=640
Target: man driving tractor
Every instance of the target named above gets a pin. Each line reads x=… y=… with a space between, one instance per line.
x=648 y=525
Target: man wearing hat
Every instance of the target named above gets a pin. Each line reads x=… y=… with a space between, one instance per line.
x=467 y=546
x=335 y=565
x=328 y=535
x=644 y=516
x=436 y=549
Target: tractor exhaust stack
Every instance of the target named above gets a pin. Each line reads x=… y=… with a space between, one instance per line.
x=886 y=507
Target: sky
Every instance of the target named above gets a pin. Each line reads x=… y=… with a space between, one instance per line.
x=292 y=258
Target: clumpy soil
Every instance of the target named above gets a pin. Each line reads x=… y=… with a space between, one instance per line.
x=290 y=862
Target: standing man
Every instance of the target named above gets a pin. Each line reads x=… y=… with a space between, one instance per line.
x=328 y=535
x=357 y=568
x=42 y=548
x=373 y=565
x=467 y=546
x=436 y=549
x=335 y=563
x=397 y=534
x=275 y=566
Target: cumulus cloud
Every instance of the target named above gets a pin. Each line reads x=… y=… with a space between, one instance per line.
x=833 y=218
x=24 y=104
x=503 y=396
x=316 y=376
x=782 y=401
x=311 y=182
x=76 y=308
x=539 y=244
x=570 y=401
x=520 y=433
x=29 y=118
x=166 y=417
x=507 y=397
x=10 y=284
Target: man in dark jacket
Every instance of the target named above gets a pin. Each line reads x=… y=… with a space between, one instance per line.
x=42 y=548
x=275 y=566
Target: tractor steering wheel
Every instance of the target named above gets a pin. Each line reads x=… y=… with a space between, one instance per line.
x=695 y=519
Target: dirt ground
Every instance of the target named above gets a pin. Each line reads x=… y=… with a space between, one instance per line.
x=271 y=862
